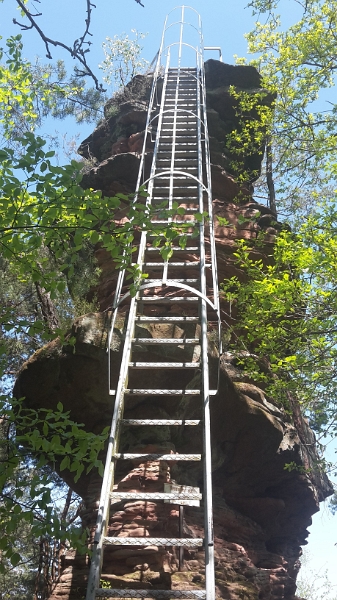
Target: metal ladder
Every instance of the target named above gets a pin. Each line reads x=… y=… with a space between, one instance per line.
x=179 y=179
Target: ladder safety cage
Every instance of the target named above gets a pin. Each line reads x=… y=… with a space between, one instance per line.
x=180 y=176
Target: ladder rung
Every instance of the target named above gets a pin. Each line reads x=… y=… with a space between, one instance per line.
x=148 y=457
x=189 y=105
x=118 y=496
x=178 y=126
x=168 y=422
x=160 y=392
x=164 y=365
x=145 y=319
x=174 y=222
x=193 y=263
x=184 y=151
x=161 y=594
x=168 y=299
x=174 y=341
x=157 y=199
x=174 y=249
x=147 y=541
x=161 y=236
x=168 y=282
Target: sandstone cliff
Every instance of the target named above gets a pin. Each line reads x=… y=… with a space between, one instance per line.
x=262 y=511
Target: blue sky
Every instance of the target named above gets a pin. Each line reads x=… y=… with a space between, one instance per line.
x=224 y=24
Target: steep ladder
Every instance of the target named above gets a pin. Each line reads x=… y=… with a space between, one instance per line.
x=179 y=182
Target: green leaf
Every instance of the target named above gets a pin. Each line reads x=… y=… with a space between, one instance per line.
x=15 y=559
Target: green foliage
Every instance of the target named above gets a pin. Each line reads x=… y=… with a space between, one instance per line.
x=43 y=438
x=29 y=92
x=49 y=227
x=314 y=584
x=299 y=65
x=254 y=112
x=123 y=59
x=285 y=312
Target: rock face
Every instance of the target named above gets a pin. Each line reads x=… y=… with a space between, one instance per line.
x=262 y=511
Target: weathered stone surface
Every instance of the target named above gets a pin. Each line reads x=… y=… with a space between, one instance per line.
x=262 y=510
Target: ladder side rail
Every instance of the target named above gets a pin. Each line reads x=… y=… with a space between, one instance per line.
x=121 y=274
x=207 y=458
x=151 y=179
x=174 y=135
x=142 y=245
x=104 y=502
x=119 y=401
x=216 y=297
x=181 y=36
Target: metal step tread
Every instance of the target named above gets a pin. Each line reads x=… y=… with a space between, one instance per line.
x=193 y=263
x=164 y=365
x=183 y=126
x=175 y=221
x=168 y=299
x=178 y=341
x=150 y=593
x=178 y=199
x=161 y=392
x=118 y=496
x=145 y=319
x=149 y=541
x=179 y=161
x=174 y=248
x=159 y=422
x=158 y=200
x=161 y=236
x=155 y=457
x=183 y=151
x=170 y=282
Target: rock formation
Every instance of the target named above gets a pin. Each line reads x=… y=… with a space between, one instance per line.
x=262 y=511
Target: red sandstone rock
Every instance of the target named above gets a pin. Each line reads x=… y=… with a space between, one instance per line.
x=261 y=511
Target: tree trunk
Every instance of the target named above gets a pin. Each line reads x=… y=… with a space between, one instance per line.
x=270 y=180
x=48 y=310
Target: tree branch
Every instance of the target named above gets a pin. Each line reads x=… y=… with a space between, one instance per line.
x=77 y=51
x=80 y=47
x=270 y=180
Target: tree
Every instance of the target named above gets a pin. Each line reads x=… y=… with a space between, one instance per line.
x=80 y=47
x=314 y=585
x=48 y=224
x=285 y=313
x=123 y=59
x=298 y=65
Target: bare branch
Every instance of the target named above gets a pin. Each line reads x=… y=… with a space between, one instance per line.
x=80 y=46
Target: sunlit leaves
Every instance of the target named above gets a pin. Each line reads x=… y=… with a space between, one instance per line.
x=286 y=313
x=299 y=65
x=122 y=59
